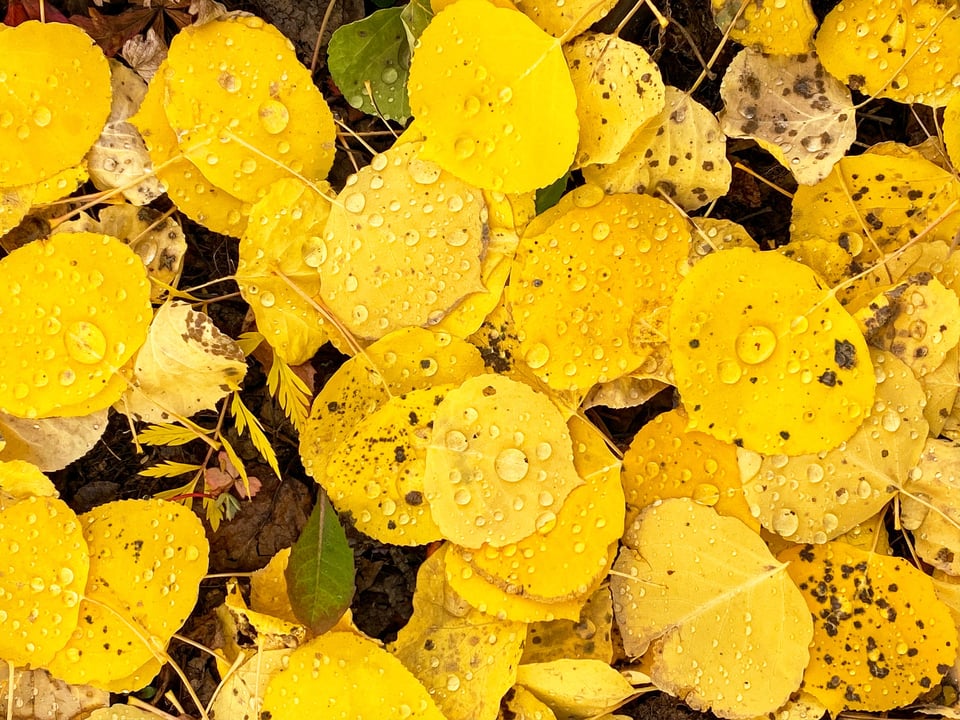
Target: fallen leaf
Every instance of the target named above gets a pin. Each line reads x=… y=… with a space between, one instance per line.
x=784 y=28
x=576 y=688
x=928 y=506
x=52 y=443
x=36 y=694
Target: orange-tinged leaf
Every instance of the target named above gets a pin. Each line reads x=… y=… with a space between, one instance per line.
x=697 y=589
x=480 y=103
x=881 y=637
x=465 y=659
x=243 y=108
x=65 y=334
x=618 y=89
x=681 y=152
x=591 y=268
x=403 y=245
x=56 y=90
x=792 y=107
x=341 y=672
x=816 y=497
x=790 y=374
x=782 y=28
x=46 y=567
x=905 y=51
x=666 y=460
x=500 y=463
x=280 y=253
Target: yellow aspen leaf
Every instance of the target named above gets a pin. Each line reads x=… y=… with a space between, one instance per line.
x=829 y=259
x=526 y=706
x=681 y=152
x=240 y=623
x=566 y=20
x=341 y=672
x=905 y=51
x=618 y=89
x=712 y=234
x=589 y=637
x=60 y=185
x=186 y=186
x=801 y=706
x=576 y=688
x=666 y=460
x=147 y=558
x=466 y=660
x=376 y=473
x=280 y=253
x=268 y=589
x=52 y=443
x=65 y=334
x=929 y=507
x=792 y=108
x=625 y=392
x=940 y=387
x=121 y=711
x=406 y=360
x=951 y=130
x=693 y=590
x=876 y=203
x=784 y=28
x=791 y=376
x=480 y=100
x=186 y=365
x=36 y=694
x=56 y=90
x=240 y=696
x=565 y=560
x=881 y=637
x=19 y=480
x=46 y=567
x=815 y=497
x=15 y=203
x=404 y=244
x=593 y=267
x=500 y=463
x=244 y=110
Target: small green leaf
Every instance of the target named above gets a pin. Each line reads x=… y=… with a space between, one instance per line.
x=416 y=15
x=550 y=195
x=320 y=574
x=372 y=56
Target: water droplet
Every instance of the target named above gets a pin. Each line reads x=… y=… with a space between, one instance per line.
x=814 y=473
x=42 y=116
x=586 y=196
x=537 y=356
x=354 y=202
x=462 y=497
x=505 y=94
x=786 y=523
x=471 y=105
x=546 y=522
x=600 y=231
x=464 y=147
x=453 y=683
x=729 y=371
x=274 y=116
x=511 y=465
x=389 y=75
x=85 y=342
x=830 y=522
x=544 y=450
x=890 y=420
x=456 y=441
x=706 y=494
x=268 y=299
x=864 y=489
x=756 y=344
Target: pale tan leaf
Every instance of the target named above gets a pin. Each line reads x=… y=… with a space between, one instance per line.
x=39 y=696
x=51 y=443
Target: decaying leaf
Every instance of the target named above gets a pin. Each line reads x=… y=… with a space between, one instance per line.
x=481 y=103
x=589 y=637
x=595 y=267
x=905 y=51
x=53 y=443
x=56 y=90
x=618 y=89
x=403 y=245
x=465 y=659
x=280 y=252
x=65 y=334
x=779 y=28
x=792 y=107
x=789 y=375
x=929 y=508
x=341 y=672
x=186 y=365
x=881 y=637
x=39 y=696
x=680 y=152
x=697 y=589
x=816 y=497
x=500 y=463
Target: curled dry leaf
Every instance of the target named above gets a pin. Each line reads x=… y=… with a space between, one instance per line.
x=694 y=590
x=185 y=366
x=53 y=443
x=792 y=107
x=36 y=694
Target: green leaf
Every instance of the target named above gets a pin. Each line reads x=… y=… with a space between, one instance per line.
x=550 y=195
x=320 y=574
x=416 y=15
x=372 y=56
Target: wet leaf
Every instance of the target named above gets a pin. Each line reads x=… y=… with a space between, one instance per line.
x=565 y=20
x=343 y=671
x=929 y=508
x=696 y=588
x=881 y=637
x=36 y=694
x=680 y=152
x=320 y=570
x=791 y=376
x=784 y=28
x=903 y=51
x=371 y=56
x=480 y=103
x=816 y=497
x=526 y=706
x=589 y=637
x=951 y=130
x=576 y=688
x=465 y=659
x=53 y=443
x=792 y=107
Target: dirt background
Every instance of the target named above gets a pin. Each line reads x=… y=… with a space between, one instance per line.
x=272 y=520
